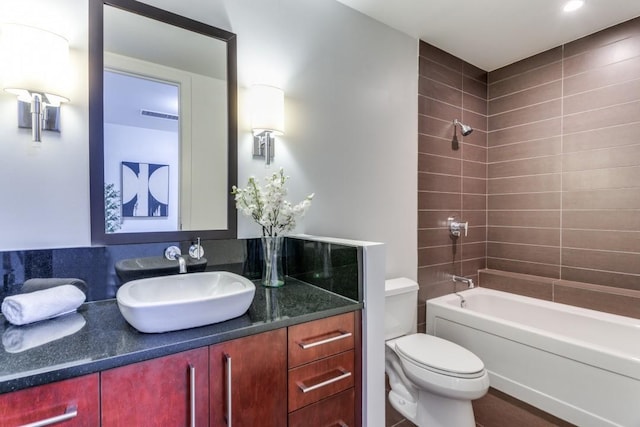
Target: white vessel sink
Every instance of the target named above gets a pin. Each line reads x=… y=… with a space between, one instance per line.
x=181 y=301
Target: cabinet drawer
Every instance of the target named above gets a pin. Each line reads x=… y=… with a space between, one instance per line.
x=314 y=381
x=74 y=402
x=337 y=410
x=320 y=338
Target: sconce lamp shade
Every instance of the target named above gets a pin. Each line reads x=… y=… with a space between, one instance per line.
x=33 y=60
x=267 y=109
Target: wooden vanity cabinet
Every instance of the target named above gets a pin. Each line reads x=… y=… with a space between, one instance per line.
x=324 y=372
x=158 y=392
x=73 y=402
x=248 y=381
x=304 y=375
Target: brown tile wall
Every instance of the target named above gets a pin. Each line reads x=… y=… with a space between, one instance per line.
x=452 y=178
x=549 y=181
x=624 y=302
x=564 y=162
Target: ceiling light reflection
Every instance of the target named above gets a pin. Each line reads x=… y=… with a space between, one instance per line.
x=572 y=5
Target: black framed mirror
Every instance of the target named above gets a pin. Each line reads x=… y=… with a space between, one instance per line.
x=163 y=125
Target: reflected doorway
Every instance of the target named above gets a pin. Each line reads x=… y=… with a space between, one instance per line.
x=141 y=153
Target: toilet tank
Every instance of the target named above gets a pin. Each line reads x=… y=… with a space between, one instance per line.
x=401 y=307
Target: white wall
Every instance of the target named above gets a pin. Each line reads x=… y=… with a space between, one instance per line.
x=44 y=192
x=351 y=117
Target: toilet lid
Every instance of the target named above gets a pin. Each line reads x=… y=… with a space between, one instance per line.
x=438 y=355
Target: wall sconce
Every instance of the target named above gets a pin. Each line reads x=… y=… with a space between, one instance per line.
x=35 y=67
x=267 y=119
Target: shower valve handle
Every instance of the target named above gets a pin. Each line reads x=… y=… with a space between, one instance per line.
x=456 y=227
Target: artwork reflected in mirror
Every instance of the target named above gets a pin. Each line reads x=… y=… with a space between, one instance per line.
x=145 y=190
x=163 y=153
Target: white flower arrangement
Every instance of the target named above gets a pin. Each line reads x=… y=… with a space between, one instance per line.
x=267 y=205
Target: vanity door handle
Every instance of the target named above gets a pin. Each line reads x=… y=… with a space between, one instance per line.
x=192 y=393
x=229 y=395
x=343 y=335
x=305 y=389
x=69 y=413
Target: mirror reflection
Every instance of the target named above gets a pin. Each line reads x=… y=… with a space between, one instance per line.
x=141 y=153
x=168 y=131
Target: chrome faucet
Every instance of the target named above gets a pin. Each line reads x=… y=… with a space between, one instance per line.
x=461 y=279
x=182 y=265
x=173 y=253
x=466 y=280
x=196 y=251
x=456 y=227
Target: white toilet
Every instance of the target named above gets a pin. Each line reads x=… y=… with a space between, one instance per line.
x=433 y=381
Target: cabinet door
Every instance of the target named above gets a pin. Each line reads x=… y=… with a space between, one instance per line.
x=158 y=392
x=73 y=402
x=248 y=379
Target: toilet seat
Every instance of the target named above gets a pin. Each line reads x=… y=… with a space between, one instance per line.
x=439 y=356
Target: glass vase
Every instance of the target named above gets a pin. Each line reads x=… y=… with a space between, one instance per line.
x=272 y=272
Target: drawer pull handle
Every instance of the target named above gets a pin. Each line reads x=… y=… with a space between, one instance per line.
x=343 y=335
x=192 y=393
x=305 y=389
x=229 y=393
x=70 y=412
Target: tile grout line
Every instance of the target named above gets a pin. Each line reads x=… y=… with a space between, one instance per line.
x=487 y=190
x=462 y=169
x=553 y=288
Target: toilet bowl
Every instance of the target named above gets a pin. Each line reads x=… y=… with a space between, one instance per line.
x=433 y=381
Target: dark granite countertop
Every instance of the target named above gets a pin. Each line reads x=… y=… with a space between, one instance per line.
x=105 y=340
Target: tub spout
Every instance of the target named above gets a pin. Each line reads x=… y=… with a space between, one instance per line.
x=463 y=302
x=461 y=279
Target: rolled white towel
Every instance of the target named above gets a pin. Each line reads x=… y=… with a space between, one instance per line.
x=41 y=283
x=39 y=305
x=20 y=338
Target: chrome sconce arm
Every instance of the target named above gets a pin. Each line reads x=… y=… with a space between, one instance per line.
x=263 y=146
x=38 y=111
x=267 y=120
x=35 y=68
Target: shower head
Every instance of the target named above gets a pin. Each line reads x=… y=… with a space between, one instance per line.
x=466 y=130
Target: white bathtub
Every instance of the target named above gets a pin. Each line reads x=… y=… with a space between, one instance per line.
x=580 y=365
